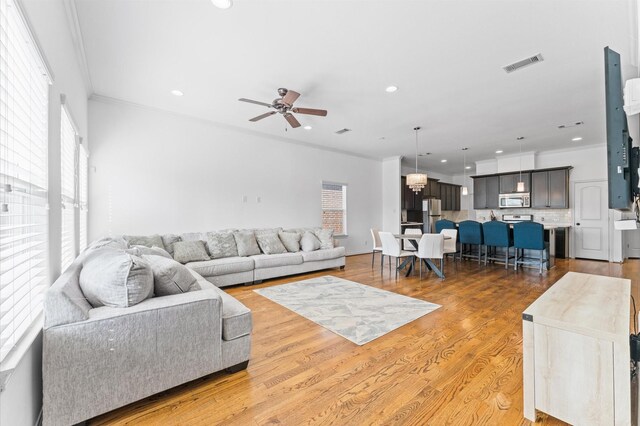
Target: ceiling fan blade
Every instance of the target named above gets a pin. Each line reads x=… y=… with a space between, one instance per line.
x=251 y=101
x=311 y=111
x=290 y=97
x=292 y=120
x=260 y=117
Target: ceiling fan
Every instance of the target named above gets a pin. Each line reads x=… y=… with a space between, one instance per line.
x=284 y=106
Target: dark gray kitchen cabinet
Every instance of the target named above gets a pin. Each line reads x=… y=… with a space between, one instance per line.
x=509 y=182
x=550 y=189
x=449 y=197
x=486 y=191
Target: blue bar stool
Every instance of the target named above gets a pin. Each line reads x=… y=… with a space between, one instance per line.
x=444 y=224
x=528 y=236
x=470 y=233
x=497 y=234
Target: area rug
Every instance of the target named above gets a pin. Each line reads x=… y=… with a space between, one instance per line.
x=355 y=311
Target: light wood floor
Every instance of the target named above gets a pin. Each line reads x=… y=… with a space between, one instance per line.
x=460 y=365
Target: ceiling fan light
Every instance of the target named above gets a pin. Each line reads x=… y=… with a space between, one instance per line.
x=222 y=4
x=465 y=191
x=520 y=187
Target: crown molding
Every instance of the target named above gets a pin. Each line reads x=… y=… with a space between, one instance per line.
x=78 y=43
x=96 y=97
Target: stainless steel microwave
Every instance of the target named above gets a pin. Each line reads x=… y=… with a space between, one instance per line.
x=515 y=200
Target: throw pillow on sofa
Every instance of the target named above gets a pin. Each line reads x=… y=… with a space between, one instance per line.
x=169 y=240
x=291 y=241
x=270 y=243
x=115 y=278
x=141 y=240
x=144 y=250
x=246 y=243
x=309 y=242
x=190 y=251
x=170 y=277
x=221 y=244
x=326 y=238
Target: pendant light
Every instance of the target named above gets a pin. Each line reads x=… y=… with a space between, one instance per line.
x=465 y=191
x=416 y=181
x=520 y=185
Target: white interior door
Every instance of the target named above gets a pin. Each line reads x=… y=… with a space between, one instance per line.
x=591 y=224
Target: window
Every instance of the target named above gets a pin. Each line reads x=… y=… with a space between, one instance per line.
x=83 y=197
x=334 y=207
x=68 y=188
x=24 y=255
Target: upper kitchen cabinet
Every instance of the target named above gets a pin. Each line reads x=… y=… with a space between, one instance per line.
x=486 y=191
x=449 y=197
x=509 y=182
x=550 y=189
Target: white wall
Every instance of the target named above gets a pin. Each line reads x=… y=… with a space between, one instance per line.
x=158 y=172
x=391 y=194
x=21 y=400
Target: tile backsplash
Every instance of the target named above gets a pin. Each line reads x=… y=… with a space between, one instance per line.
x=539 y=215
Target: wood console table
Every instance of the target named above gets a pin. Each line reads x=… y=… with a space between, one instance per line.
x=576 y=351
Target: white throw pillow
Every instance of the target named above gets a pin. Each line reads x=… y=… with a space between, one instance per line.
x=309 y=242
x=170 y=277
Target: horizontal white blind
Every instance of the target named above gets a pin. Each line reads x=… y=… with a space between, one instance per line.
x=83 y=197
x=24 y=88
x=68 y=188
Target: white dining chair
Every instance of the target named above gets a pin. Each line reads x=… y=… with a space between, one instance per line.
x=431 y=246
x=391 y=248
x=377 y=245
x=450 y=245
x=408 y=245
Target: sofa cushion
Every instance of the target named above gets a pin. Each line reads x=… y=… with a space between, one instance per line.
x=221 y=244
x=141 y=240
x=114 y=278
x=246 y=243
x=326 y=238
x=323 y=254
x=275 y=260
x=169 y=240
x=116 y=243
x=290 y=240
x=194 y=236
x=224 y=266
x=144 y=250
x=236 y=318
x=189 y=251
x=170 y=277
x=270 y=243
x=309 y=242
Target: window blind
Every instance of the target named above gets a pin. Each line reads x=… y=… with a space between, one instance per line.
x=83 y=197
x=24 y=87
x=68 y=189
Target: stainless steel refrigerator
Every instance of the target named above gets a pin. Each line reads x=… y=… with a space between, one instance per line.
x=430 y=215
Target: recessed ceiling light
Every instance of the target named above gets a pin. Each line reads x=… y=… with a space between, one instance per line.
x=468 y=167
x=391 y=89
x=577 y=139
x=308 y=127
x=222 y=4
x=443 y=161
x=177 y=93
x=499 y=151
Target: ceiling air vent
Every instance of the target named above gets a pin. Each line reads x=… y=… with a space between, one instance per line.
x=523 y=63
x=342 y=131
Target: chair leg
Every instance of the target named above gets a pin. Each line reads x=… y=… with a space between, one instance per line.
x=515 y=260
x=506 y=259
x=541 y=255
x=373 y=257
x=479 y=253
x=396 y=268
x=442 y=264
x=421 y=269
x=381 y=263
x=486 y=254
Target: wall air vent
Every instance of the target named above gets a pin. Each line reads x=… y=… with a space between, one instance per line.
x=523 y=63
x=343 y=131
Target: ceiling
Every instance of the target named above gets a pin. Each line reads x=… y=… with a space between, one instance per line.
x=446 y=57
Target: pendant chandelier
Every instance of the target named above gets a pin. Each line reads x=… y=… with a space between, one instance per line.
x=416 y=181
x=465 y=190
x=520 y=185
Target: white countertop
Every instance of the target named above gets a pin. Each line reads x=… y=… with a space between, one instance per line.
x=410 y=223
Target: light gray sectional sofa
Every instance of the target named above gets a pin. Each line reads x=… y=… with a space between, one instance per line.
x=98 y=358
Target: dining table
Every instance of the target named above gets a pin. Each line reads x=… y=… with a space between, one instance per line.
x=414 y=239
